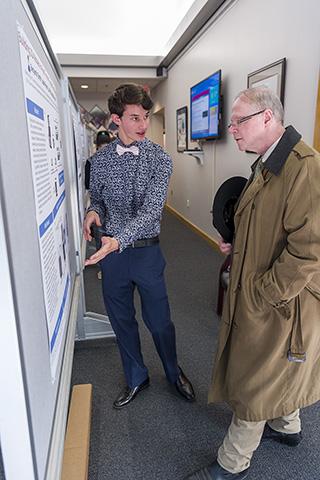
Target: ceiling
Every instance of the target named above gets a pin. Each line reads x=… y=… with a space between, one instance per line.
x=121 y=27
x=105 y=43
x=108 y=85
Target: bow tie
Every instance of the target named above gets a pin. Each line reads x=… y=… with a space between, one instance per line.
x=121 y=150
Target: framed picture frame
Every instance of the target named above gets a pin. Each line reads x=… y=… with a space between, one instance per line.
x=272 y=76
x=182 y=129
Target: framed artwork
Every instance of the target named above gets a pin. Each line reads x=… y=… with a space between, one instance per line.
x=182 y=129
x=272 y=76
x=99 y=117
x=84 y=115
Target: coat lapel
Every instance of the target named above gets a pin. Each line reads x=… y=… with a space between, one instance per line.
x=273 y=165
x=252 y=190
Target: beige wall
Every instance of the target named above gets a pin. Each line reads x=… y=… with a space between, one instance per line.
x=250 y=35
x=156 y=129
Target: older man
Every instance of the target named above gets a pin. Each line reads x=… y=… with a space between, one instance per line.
x=268 y=358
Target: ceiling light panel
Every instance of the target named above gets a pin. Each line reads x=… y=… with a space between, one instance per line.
x=111 y=28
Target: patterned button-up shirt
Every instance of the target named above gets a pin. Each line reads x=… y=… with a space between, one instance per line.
x=129 y=191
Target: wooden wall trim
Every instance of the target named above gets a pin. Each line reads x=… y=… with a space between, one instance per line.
x=212 y=242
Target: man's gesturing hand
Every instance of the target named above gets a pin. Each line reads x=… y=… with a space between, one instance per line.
x=109 y=244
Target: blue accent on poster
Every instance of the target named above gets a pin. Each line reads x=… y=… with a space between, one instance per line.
x=34 y=109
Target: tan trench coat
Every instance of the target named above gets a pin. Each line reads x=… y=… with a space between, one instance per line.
x=272 y=306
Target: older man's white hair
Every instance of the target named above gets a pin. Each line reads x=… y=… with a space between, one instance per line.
x=264 y=98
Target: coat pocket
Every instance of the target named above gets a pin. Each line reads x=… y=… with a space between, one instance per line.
x=255 y=299
x=285 y=308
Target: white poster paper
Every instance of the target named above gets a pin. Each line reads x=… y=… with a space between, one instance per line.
x=49 y=192
x=79 y=151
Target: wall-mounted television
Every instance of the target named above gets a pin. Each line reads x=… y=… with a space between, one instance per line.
x=205 y=108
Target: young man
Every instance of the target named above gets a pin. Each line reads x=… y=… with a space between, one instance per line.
x=129 y=181
x=268 y=358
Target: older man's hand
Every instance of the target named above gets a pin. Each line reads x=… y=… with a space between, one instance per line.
x=225 y=248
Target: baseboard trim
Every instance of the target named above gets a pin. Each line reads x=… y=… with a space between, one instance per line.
x=212 y=242
x=77 y=440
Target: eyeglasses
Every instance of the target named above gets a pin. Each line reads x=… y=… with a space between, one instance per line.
x=240 y=120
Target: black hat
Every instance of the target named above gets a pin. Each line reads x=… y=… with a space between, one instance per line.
x=223 y=206
x=103 y=137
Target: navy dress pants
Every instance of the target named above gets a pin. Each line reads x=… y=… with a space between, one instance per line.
x=122 y=272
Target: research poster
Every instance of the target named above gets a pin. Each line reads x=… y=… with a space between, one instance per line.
x=44 y=130
x=80 y=151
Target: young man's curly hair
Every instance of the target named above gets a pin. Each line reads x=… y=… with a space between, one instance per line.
x=129 y=94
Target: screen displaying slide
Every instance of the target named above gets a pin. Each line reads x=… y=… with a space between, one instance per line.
x=205 y=98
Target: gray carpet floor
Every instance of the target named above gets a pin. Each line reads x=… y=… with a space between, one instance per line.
x=160 y=436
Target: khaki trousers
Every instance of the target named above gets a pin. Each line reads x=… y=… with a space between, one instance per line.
x=243 y=438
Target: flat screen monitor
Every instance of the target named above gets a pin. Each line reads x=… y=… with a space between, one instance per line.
x=205 y=103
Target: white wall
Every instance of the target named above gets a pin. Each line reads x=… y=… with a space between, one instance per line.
x=250 y=35
x=156 y=128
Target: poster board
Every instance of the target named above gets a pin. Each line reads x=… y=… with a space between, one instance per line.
x=38 y=238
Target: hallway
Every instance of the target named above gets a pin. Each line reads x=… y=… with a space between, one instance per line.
x=159 y=436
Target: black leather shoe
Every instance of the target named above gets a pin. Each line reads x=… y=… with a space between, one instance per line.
x=215 y=472
x=128 y=394
x=290 y=439
x=184 y=387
